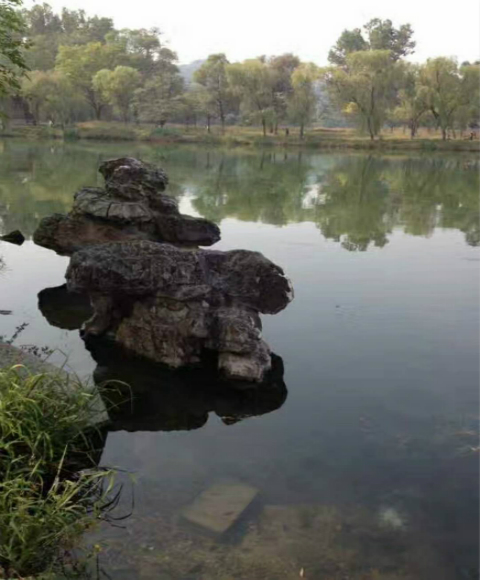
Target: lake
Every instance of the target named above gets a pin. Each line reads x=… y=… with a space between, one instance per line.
x=368 y=468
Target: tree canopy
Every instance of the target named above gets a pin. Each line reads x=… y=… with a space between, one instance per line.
x=82 y=68
x=12 y=43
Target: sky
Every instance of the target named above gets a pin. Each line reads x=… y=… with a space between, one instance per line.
x=249 y=28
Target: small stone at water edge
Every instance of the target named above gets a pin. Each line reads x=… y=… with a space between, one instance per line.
x=15 y=237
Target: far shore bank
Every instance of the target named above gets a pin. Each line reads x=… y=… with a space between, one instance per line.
x=321 y=138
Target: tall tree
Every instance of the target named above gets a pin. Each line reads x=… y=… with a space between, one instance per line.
x=117 y=87
x=377 y=35
x=441 y=83
x=81 y=63
x=282 y=68
x=51 y=95
x=412 y=100
x=160 y=98
x=252 y=80
x=144 y=51
x=303 y=100
x=365 y=88
x=12 y=44
x=213 y=76
x=469 y=112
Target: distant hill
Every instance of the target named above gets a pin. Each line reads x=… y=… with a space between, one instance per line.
x=187 y=70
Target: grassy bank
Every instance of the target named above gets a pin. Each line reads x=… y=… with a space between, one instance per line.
x=51 y=491
x=316 y=138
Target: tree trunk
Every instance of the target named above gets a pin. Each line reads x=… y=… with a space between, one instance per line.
x=444 y=134
x=208 y=123
x=370 y=130
x=301 y=130
x=271 y=129
x=413 y=130
x=264 y=127
x=276 y=128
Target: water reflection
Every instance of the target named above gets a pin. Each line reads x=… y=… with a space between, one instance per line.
x=147 y=397
x=356 y=200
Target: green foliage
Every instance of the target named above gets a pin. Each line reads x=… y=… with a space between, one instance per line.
x=52 y=96
x=303 y=100
x=83 y=68
x=365 y=87
x=380 y=35
x=213 y=76
x=441 y=83
x=46 y=501
x=252 y=81
x=160 y=98
x=117 y=87
x=12 y=44
x=80 y=63
x=412 y=100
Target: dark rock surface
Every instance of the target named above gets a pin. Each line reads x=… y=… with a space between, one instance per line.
x=132 y=206
x=146 y=268
x=169 y=304
x=15 y=237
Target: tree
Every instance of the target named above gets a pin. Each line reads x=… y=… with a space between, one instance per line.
x=143 y=50
x=197 y=102
x=380 y=35
x=117 y=87
x=12 y=44
x=468 y=114
x=441 y=83
x=81 y=63
x=282 y=67
x=252 y=80
x=413 y=103
x=51 y=95
x=213 y=76
x=366 y=87
x=160 y=98
x=303 y=100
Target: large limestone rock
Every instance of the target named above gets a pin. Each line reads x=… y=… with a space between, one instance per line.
x=132 y=206
x=151 y=289
x=170 y=304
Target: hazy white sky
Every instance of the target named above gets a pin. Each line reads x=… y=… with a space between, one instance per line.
x=248 y=28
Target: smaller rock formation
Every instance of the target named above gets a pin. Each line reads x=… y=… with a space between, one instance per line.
x=169 y=304
x=131 y=207
x=15 y=237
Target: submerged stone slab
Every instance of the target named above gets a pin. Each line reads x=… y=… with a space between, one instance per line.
x=217 y=508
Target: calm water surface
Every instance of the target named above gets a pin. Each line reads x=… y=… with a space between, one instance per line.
x=369 y=469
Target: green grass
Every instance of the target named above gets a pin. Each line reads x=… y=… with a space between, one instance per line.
x=316 y=137
x=50 y=490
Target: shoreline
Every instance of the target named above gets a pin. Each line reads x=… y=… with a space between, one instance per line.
x=238 y=138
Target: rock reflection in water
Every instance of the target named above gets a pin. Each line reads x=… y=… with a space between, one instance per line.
x=142 y=396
